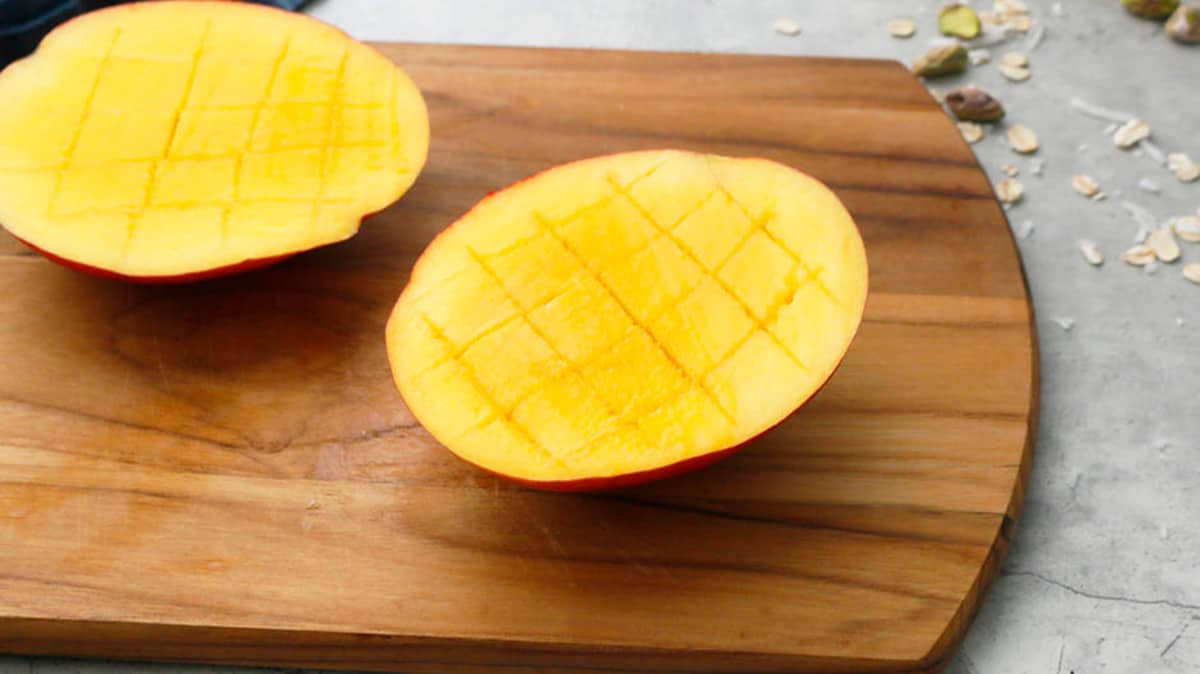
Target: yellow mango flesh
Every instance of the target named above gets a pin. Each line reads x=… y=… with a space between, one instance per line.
x=169 y=138
x=624 y=314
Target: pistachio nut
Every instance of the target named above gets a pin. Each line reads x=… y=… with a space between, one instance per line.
x=973 y=104
x=1150 y=9
x=959 y=20
x=1184 y=24
x=949 y=59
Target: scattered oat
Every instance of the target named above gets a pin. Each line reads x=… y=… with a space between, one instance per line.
x=1131 y=133
x=786 y=26
x=979 y=56
x=1014 y=74
x=1010 y=190
x=902 y=28
x=1036 y=166
x=1010 y=170
x=1187 y=228
x=1149 y=185
x=1183 y=167
x=1163 y=244
x=1064 y=322
x=1098 y=112
x=1191 y=272
x=1091 y=253
x=971 y=132
x=1014 y=59
x=1085 y=185
x=1021 y=23
x=1025 y=229
x=1010 y=7
x=1139 y=256
x=1022 y=139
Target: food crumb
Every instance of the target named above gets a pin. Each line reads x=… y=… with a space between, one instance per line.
x=1064 y=322
x=786 y=26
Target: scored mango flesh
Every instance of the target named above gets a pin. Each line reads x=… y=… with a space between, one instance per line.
x=624 y=314
x=168 y=138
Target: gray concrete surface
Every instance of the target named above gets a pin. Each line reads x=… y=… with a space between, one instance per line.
x=1104 y=576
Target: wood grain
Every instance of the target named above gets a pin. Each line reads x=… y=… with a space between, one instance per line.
x=224 y=472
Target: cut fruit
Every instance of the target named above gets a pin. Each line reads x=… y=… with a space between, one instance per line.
x=171 y=141
x=628 y=317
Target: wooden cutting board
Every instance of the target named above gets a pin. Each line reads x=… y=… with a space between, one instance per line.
x=224 y=472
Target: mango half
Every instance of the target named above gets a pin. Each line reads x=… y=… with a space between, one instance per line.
x=629 y=317
x=180 y=140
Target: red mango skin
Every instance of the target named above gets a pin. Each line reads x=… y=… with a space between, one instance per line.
x=203 y=275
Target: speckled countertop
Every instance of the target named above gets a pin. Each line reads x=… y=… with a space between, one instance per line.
x=1104 y=575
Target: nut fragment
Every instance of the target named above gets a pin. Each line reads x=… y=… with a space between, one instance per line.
x=1085 y=185
x=971 y=132
x=1183 y=167
x=1150 y=9
x=1091 y=253
x=1014 y=73
x=1163 y=244
x=959 y=20
x=1191 y=272
x=1009 y=190
x=979 y=56
x=1015 y=59
x=1022 y=139
x=948 y=59
x=902 y=28
x=971 y=103
x=1131 y=133
x=786 y=26
x=1184 y=25
x=1010 y=170
x=1187 y=227
x=1138 y=256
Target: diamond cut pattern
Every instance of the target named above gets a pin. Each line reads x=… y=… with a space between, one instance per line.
x=612 y=244
x=163 y=125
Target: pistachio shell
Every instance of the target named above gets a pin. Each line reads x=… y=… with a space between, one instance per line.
x=1150 y=9
x=949 y=59
x=973 y=104
x=1184 y=24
